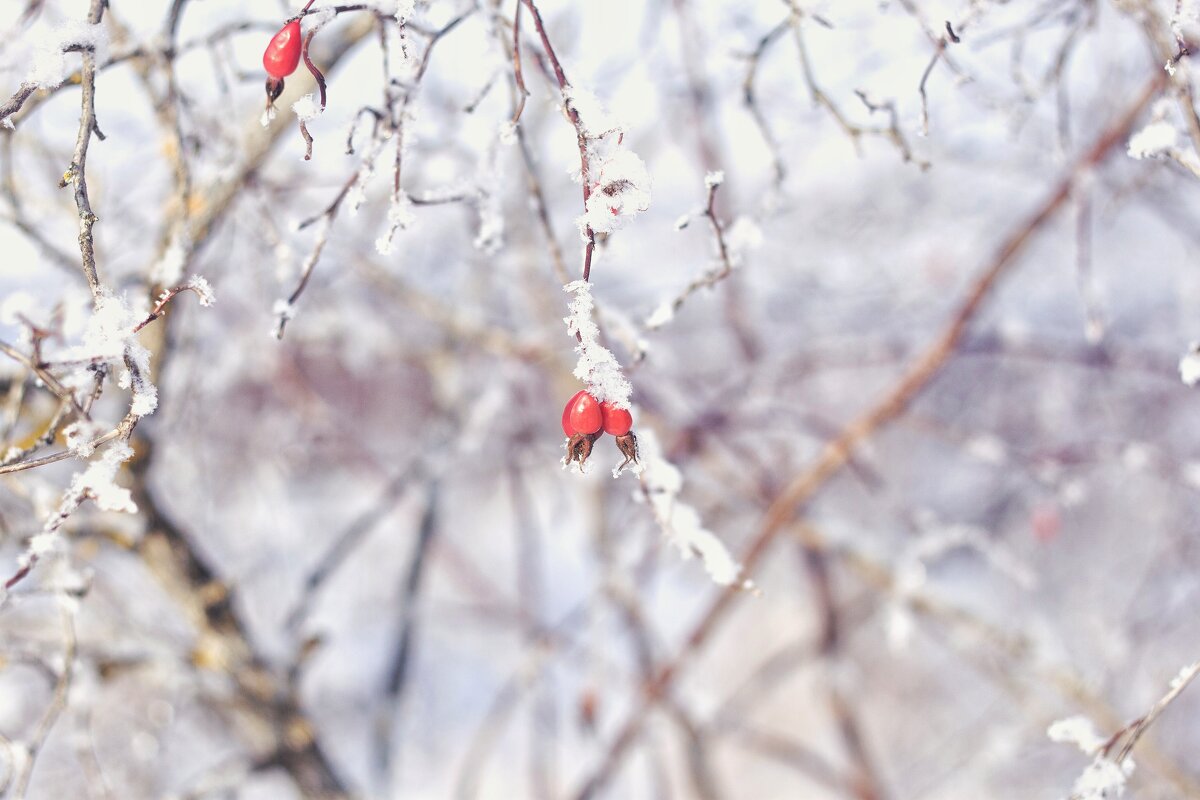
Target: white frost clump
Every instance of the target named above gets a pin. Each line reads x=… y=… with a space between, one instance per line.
x=597 y=366
x=48 y=57
x=109 y=329
x=109 y=336
x=593 y=118
x=661 y=316
x=1185 y=676
x=81 y=435
x=404 y=10
x=1189 y=365
x=622 y=190
x=662 y=483
x=1160 y=139
x=307 y=108
x=98 y=480
x=400 y=215
x=145 y=394
x=1156 y=139
x=169 y=269
x=268 y=116
x=1103 y=779
x=203 y=290
x=1078 y=731
x=714 y=179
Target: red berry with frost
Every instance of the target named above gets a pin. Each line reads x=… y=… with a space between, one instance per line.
x=568 y=431
x=617 y=421
x=583 y=414
x=283 y=53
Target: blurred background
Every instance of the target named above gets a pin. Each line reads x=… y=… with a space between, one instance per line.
x=903 y=322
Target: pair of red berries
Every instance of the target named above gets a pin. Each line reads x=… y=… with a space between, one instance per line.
x=585 y=419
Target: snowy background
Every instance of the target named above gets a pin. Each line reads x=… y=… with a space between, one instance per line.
x=357 y=565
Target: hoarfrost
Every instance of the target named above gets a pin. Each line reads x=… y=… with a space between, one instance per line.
x=99 y=480
x=597 y=366
x=203 y=290
x=168 y=270
x=1189 y=365
x=662 y=483
x=307 y=108
x=622 y=190
x=661 y=316
x=1079 y=731
x=1153 y=140
x=400 y=216
x=1103 y=779
x=48 y=59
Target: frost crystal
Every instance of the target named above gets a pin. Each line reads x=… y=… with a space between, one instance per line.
x=1189 y=365
x=1186 y=675
x=622 y=190
x=714 y=179
x=597 y=366
x=661 y=316
x=1155 y=139
x=1103 y=779
x=1078 y=731
x=400 y=215
x=48 y=59
x=80 y=437
x=662 y=483
x=169 y=269
x=203 y=290
x=306 y=108
x=98 y=480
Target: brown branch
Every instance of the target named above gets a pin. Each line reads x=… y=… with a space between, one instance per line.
x=518 y=75
x=77 y=173
x=580 y=134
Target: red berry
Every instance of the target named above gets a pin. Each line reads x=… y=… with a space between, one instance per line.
x=568 y=431
x=582 y=414
x=283 y=53
x=617 y=421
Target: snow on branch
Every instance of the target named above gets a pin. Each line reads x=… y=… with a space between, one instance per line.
x=597 y=366
x=1106 y=776
x=662 y=483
